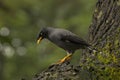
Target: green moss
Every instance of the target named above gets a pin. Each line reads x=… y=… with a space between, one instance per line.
x=107 y=61
x=118 y=2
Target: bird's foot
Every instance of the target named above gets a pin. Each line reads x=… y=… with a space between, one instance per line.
x=66 y=58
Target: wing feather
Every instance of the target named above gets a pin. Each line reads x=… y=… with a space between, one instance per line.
x=74 y=39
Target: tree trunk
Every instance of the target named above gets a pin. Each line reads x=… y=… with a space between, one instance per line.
x=104 y=35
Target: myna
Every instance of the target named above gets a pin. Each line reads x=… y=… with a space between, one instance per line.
x=64 y=39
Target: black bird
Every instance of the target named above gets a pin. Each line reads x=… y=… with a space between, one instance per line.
x=64 y=39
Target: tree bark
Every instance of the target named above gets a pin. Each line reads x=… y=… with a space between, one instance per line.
x=104 y=35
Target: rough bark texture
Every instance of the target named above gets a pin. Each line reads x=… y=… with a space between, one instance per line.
x=63 y=71
x=104 y=35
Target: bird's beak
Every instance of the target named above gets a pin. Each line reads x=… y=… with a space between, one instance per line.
x=39 y=40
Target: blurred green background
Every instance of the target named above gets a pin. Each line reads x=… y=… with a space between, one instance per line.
x=20 y=23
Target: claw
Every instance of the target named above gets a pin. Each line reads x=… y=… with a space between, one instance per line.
x=66 y=58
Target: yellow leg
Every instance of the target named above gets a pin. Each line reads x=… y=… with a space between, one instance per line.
x=66 y=58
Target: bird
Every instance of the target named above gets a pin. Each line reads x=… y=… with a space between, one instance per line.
x=64 y=39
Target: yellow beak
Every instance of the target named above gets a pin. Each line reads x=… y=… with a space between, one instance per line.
x=39 y=40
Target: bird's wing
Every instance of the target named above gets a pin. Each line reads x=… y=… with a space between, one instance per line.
x=74 y=39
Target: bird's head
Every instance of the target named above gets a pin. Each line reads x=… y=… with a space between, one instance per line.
x=43 y=34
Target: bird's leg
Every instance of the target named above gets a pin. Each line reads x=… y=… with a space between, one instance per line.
x=66 y=58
